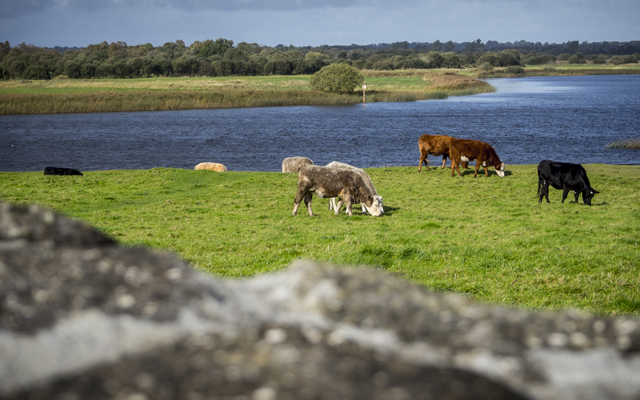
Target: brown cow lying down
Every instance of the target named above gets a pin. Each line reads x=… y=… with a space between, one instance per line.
x=367 y=181
x=293 y=164
x=211 y=166
x=437 y=145
x=326 y=182
x=462 y=150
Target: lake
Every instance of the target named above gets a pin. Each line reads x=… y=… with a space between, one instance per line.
x=526 y=120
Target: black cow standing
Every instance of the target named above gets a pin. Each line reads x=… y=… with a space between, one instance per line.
x=565 y=176
x=61 y=171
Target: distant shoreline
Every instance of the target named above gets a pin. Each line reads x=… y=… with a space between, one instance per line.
x=18 y=97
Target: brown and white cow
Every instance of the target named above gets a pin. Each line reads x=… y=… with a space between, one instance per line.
x=462 y=150
x=326 y=182
x=293 y=164
x=211 y=167
x=367 y=181
x=437 y=145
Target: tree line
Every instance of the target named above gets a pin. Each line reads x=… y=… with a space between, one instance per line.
x=221 y=57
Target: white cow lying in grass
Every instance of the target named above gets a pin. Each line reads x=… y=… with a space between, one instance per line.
x=367 y=181
x=325 y=182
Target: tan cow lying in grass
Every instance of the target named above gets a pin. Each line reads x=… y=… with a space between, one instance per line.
x=211 y=166
x=367 y=181
x=293 y=164
x=326 y=182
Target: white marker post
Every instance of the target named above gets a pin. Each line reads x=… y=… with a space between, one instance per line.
x=364 y=88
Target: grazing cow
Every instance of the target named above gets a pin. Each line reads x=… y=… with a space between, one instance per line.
x=565 y=176
x=61 y=171
x=462 y=150
x=435 y=145
x=333 y=182
x=293 y=164
x=211 y=167
x=367 y=181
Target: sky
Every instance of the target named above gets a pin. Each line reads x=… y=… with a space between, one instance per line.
x=70 y=23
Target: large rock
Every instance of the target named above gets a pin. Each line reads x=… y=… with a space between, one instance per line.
x=84 y=318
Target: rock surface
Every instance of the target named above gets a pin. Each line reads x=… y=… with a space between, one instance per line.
x=84 y=318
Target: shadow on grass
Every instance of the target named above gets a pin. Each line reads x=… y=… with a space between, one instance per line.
x=471 y=171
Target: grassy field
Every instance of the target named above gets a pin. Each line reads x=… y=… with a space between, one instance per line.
x=486 y=237
x=151 y=94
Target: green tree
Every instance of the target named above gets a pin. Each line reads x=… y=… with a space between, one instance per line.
x=35 y=72
x=337 y=78
x=509 y=57
x=436 y=46
x=432 y=59
x=448 y=47
x=210 y=47
x=450 y=60
x=488 y=58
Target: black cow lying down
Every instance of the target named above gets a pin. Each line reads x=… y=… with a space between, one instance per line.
x=61 y=171
x=565 y=176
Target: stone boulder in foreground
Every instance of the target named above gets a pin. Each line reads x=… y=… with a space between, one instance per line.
x=84 y=318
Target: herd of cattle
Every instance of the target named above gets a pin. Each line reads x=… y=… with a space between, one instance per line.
x=351 y=185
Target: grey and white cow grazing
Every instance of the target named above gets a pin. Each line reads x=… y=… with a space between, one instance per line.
x=293 y=164
x=326 y=182
x=367 y=181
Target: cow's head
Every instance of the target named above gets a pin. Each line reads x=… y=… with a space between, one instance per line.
x=588 y=194
x=376 y=209
x=499 y=169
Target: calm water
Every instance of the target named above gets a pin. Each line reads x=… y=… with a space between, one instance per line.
x=527 y=120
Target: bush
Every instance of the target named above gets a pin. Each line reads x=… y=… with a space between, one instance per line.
x=576 y=60
x=337 y=78
x=514 y=69
x=486 y=66
x=489 y=58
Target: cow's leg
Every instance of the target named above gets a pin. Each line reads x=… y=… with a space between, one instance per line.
x=576 y=194
x=423 y=159
x=545 y=190
x=303 y=189
x=565 y=192
x=486 y=171
x=338 y=207
x=444 y=160
x=307 y=201
x=364 y=209
x=539 y=184
x=455 y=167
x=332 y=203
x=477 y=168
x=348 y=201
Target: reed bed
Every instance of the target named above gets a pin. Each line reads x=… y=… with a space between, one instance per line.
x=81 y=96
x=48 y=103
x=633 y=143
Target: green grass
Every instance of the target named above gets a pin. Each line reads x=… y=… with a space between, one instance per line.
x=486 y=237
